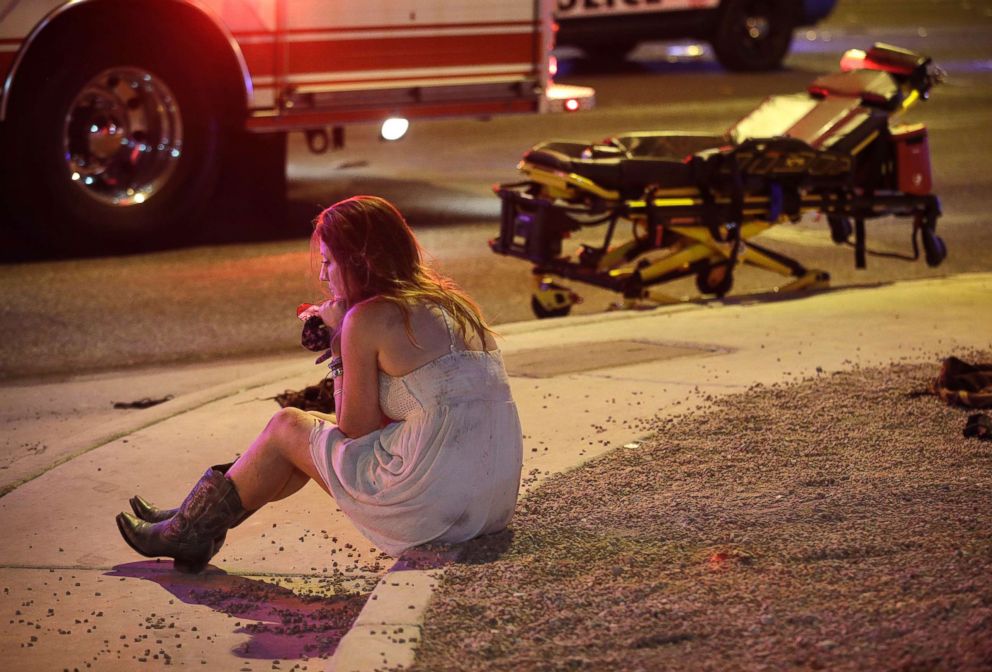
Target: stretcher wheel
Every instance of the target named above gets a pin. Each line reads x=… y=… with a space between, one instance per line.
x=840 y=228
x=936 y=250
x=715 y=279
x=552 y=300
x=541 y=312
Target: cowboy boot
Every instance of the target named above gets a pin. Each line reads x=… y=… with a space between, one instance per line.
x=190 y=536
x=150 y=513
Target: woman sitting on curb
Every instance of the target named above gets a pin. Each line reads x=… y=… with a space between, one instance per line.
x=426 y=445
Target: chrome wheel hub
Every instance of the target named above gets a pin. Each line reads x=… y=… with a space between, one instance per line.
x=123 y=136
x=757 y=27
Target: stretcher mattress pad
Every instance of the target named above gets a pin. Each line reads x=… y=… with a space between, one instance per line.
x=608 y=168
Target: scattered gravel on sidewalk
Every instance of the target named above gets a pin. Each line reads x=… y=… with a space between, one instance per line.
x=836 y=523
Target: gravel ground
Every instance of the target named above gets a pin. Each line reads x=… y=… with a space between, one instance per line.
x=840 y=523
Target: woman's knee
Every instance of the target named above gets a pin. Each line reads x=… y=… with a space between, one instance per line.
x=290 y=425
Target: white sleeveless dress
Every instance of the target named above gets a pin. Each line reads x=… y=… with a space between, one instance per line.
x=446 y=470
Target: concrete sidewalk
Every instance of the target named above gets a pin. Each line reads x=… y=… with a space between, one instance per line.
x=295 y=576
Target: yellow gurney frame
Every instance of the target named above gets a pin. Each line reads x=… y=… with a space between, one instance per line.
x=701 y=213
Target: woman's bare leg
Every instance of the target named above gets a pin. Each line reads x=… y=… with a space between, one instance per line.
x=295 y=483
x=278 y=462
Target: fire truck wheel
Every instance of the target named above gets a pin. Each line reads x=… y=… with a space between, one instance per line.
x=115 y=152
x=753 y=35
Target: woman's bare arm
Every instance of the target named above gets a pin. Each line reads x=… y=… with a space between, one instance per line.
x=356 y=393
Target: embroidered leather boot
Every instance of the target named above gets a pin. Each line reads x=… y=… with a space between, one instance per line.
x=190 y=536
x=150 y=513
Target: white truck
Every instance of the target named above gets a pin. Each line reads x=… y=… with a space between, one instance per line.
x=118 y=117
x=745 y=34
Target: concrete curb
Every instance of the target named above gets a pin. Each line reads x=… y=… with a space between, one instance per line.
x=388 y=629
x=536 y=325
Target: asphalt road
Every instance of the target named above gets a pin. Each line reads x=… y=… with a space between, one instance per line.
x=234 y=299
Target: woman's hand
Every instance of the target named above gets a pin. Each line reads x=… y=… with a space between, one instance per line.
x=332 y=312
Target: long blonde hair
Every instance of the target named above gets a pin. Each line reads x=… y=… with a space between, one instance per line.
x=380 y=257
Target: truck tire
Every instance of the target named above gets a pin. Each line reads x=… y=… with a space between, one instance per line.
x=115 y=152
x=753 y=35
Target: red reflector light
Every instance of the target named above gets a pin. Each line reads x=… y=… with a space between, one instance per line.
x=571 y=104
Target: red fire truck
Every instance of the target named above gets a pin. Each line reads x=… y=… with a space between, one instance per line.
x=118 y=117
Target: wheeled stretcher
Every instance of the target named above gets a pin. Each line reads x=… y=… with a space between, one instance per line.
x=695 y=201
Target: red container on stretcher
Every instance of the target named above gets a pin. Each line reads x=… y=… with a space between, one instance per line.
x=912 y=150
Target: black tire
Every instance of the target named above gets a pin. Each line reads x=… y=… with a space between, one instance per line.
x=840 y=228
x=541 y=312
x=715 y=279
x=171 y=181
x=934 y=247
x=753 y=35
